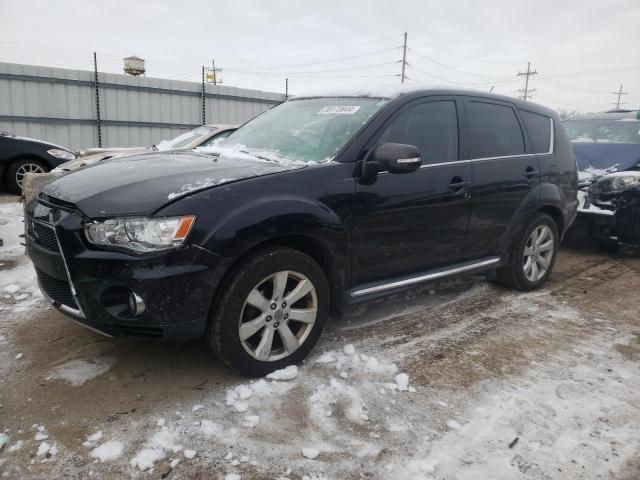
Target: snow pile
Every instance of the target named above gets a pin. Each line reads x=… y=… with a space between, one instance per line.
x=4 y=439
x=108 y=451
x=93 y=439
x=78 y=372
x=288 y=373
x=19 y=292
x=156 y=448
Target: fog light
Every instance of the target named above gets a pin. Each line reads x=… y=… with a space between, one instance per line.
x=136 y=304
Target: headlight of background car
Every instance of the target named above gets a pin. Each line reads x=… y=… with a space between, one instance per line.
x=62 y=154
x=616 y=183
x=141 y=234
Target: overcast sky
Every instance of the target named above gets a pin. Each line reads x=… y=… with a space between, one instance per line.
x=583 y=50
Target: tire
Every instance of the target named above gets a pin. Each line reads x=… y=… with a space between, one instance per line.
x=18 y=168
x=247 y=300
x=519 y=272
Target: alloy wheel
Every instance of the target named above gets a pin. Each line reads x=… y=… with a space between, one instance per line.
x=278 y=316
x=538 y=253
x=27 y=168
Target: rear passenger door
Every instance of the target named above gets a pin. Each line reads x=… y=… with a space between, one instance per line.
x=504 y=174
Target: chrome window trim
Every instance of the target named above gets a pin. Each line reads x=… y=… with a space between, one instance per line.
x=424 y=278
x=67 y=308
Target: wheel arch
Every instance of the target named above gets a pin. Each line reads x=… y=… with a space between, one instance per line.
x=556 y=213
x=314 y=248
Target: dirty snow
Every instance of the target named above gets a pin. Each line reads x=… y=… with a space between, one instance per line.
x=288 y=373
x=108 y=451
x=78 y=372
x=356 y=407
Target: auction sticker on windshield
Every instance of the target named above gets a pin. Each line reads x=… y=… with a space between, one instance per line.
x=340 y=109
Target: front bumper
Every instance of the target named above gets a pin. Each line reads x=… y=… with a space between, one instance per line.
x=93 y=286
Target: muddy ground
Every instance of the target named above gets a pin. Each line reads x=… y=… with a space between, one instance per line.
x=557 y=369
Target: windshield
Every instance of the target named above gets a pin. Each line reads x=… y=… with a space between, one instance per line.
x=310 y=130
x=625 y=130
x=185 y=139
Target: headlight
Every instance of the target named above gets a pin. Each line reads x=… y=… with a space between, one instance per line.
x=141 y=234
x=63 y=154
x=616 y=182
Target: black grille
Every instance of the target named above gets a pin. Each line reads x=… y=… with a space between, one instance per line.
x=138 y=331
x=42 y=235
x=58 y=290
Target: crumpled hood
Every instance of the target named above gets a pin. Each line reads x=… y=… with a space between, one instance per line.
x=604 y=155
x=140 y=185
x=113 y=150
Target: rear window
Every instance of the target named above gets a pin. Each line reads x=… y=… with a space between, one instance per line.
x=494 y=130
x=539 y=129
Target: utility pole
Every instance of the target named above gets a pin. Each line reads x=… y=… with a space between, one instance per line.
x=204 y=118
x=286 y=88
x=527 y=74
x=95 y=80
x=404 y=57
x=619 y=93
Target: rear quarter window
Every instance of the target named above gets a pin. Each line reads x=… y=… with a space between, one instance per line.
x=539 y=130
x=494 y=130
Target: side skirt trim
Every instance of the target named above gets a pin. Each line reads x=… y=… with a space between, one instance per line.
x=434 y=275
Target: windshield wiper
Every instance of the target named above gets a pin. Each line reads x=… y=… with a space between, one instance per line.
x=261 y=157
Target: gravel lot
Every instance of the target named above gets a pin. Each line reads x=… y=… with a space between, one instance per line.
x=501 y=385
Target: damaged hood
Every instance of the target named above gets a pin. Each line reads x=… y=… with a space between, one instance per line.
x=140 y=185
x=603 y=156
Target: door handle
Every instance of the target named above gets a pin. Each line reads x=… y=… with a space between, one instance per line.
x=530 y=173
x=458 y=184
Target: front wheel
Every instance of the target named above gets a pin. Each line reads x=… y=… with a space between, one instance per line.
x=532 y=255
x=271 y=312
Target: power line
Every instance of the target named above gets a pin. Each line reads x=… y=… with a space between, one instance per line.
x=454 y=68
x=317 y=63
x=310 y=54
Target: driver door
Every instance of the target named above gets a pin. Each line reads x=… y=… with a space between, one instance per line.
x=412 y=222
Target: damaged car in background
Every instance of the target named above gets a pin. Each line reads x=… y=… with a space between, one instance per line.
x=203 y=136
x=607 y=150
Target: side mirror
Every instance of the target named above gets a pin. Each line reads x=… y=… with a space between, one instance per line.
x=397 y=158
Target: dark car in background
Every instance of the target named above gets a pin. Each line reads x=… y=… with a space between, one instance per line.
x=319 y=202
x=22 y=155
x=607 y=149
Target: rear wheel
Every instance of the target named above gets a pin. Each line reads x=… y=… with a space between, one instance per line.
x=17 y=171
x=532 y=255
x=271 y=312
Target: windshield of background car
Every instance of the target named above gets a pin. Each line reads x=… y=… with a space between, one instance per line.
x=185 y=139
x=624 y=130
x=310 y=130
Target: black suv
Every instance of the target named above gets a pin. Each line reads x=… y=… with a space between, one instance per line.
x=317 y=203
x=22 y=155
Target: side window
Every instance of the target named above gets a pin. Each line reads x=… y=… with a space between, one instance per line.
x=539 y=129
x=494 y=130
x=430 y=126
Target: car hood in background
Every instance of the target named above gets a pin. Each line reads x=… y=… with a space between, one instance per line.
x=119 y=151
x=601 y=156
x=140 y=185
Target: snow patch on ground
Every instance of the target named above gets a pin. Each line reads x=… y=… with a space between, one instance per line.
x=78 y=372
x=108 y=451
